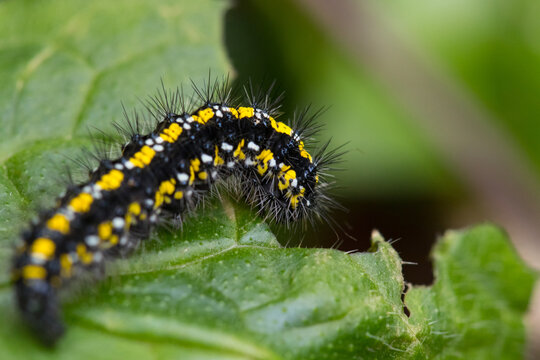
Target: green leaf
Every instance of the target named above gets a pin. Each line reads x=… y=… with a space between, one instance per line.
x=224 y=288
x=67 y=66
x=490 y=48
x=475 y=308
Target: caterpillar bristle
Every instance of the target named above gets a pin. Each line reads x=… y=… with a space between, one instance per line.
x=263 y=97
x=305 y=122
x=164 y=103
x=130 y=126
x=213 y=90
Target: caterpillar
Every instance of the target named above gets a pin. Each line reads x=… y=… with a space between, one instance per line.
x=167 y=172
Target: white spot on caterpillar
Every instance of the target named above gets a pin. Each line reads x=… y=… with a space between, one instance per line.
x=96 y=192
x=249 y=162
x=149 y=142
x=119 y=166
x=38 y=259
x=206 y=158
x=129 y=165
x=159 y=140
x=69 y=214
x=281 y=165
x=183 y=178
x=91 y=240
x=187 y=126
x=294 y=183
x=123 y=240
x=98 y=256
x=158 y=148
x=73 y=257
x=149 y=203
x=272 y=163
x=231 y=164
x=258 y=115
x=219 y=113
x=214 y=174
x=226 y=147
x=253 y=146
x=118 y=223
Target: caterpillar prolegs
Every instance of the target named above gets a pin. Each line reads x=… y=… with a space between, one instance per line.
x=167 y=172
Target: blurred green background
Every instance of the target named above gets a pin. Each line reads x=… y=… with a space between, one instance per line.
x=437 y=100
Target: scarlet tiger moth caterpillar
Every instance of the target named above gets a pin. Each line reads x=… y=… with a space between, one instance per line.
x=167 y=172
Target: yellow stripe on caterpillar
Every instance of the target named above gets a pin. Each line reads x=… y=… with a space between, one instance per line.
x=133 y=211
x=178 y=195
x=303 y=152
x=43 y=248
x=134 y=208
x=218 y=160
x=158 y=200
x=280 y=127
x=167 y=187
x=286 y=175
x=245 y=112
x=59 y=223
x=66 y=263
x=81 y=203
x=113 y=240
x=143 y=157
x=263 y=158
x=205 y=115
x=193 y=169
x=171 y=133
x=34 y=272
x=85 y=256
x=233 y=112
x=105 y=230
x=111 y=180
x=238 y=153
x=295 y=199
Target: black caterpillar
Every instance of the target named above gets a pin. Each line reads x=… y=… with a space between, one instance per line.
x=167 y=172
